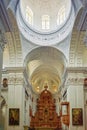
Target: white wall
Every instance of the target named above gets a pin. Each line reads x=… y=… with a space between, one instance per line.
x=16 y=100
x=85 y=111
x=75 y=95
x=15 y=94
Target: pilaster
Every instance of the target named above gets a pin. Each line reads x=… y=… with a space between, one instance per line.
x=15 y=96
x=74 y=91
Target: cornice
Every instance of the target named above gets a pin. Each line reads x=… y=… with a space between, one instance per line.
x=77 y=70
x=8 y=70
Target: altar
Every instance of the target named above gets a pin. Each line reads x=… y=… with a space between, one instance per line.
x=45 y=117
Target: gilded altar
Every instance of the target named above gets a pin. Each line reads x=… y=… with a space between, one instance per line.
x=45 y=116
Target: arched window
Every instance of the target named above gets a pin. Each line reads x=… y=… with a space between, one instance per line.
x=29 y=16
x=45 y=22
x=61 y=16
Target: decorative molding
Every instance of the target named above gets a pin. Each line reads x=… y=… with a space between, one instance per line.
x=2 y=40
x=77 y=70
x=45 y=38
x=75 y=75
x=15 y=80
x=77 y=49
x=14 y=75
x=12 y=70
x=75 y=81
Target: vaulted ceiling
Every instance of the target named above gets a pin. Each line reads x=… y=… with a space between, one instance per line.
x=44 y=64
x=46 y=7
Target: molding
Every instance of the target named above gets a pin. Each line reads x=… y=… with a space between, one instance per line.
x=76 y=70
x=15 y=80
x=2 y=40
x=13 y=70
x=75 y=81
x=42 y=38
x=14 y=75
x=76 y=75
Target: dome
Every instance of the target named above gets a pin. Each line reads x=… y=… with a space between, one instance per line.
x=45 y=15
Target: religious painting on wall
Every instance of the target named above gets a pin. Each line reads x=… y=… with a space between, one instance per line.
x=14 y=116
x=5 y=82
x=77 y=116
x=85 y=82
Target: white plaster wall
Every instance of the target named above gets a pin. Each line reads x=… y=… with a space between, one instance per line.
x=85 y=111
x=86 y=117
x=75 y=96
x=1 y=120
x=26 y=46
x=64 y=46
x=15 y=100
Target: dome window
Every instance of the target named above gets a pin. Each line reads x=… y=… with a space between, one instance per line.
x=45 y=22
x=61 y=15
x=29 y=16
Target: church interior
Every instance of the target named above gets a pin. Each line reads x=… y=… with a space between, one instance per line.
x=43 y=64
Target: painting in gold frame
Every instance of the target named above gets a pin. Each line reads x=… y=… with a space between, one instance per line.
x=77 y=116
x=14 y=116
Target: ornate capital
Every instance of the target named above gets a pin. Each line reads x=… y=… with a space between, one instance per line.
x=18 y=79
x=15 y=80
x=75 y=81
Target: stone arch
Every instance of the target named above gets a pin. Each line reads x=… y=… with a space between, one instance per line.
x=13 y=49
x=45 y=65
x=77 y=47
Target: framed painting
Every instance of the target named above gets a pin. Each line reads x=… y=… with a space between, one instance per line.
x=14 y=115
x=77 y=116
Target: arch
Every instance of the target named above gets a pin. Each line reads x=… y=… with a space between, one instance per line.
x=77 y=48
x=45 y=65
x=12 y=51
